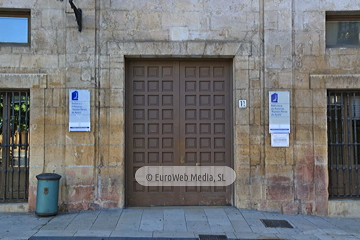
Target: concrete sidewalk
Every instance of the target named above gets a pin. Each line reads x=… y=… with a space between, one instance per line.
x=174 y=222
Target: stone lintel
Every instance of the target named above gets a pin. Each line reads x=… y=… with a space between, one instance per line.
x=28 y=80
x=338 y=81
x=191 y=49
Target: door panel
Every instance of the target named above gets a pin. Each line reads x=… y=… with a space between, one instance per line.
x=152 y=127
x=204 y=125
x=178 y=113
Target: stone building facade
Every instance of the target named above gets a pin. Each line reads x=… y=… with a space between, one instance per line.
x=271 y=46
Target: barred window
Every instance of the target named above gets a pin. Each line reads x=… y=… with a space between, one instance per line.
x=343 y=113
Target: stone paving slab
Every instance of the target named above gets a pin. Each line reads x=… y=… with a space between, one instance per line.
x=18 y=234
x=174 y=220
x=195 y=215
x=198 y=226
x=56 y=233
x=94 y=233
x=185 y=234
x=130 y=220
x=152 y=220
x=60 y=222
x=106 y=220
x=172 y=223
x=240 y=226
x=83 y=221
x=138 y=234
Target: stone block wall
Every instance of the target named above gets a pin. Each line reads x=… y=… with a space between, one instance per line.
x=275 y=45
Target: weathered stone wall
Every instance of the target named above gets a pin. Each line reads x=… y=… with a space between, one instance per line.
x=275 y=45
x=296 y=178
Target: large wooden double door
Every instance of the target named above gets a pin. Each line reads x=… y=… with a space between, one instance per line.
x=178 y=113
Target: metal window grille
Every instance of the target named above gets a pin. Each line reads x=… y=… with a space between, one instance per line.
x=14 y=145
x=343 y=113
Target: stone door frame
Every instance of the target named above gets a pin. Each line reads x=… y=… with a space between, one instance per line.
x=112 y=61
x=320 y=84
x=36 y=83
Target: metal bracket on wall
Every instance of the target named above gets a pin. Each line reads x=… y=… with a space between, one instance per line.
x=78 y=14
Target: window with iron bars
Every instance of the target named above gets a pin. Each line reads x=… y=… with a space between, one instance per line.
x=14 y=145
x=343 y=114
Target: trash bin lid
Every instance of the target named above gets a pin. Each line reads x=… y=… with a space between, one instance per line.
x=48 y=176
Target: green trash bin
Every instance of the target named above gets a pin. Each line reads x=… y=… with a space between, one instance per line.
x=47 y=194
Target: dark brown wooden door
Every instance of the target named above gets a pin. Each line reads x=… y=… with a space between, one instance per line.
x=178 y=114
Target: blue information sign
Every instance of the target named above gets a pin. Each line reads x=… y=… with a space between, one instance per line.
x=79 y=111
x=279 y=112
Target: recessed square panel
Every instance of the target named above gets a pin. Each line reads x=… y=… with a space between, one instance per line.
x=190 y=143
x=139 y=157
x=139 y=128
x=167 y=71
x=153 y=114
x=139 y=100
x=205 y=157
x=167 y=157
x=135 y=170
x=167 y=100
x=167 y=189
x=167 y=143
x=154 y=189
x=205 y=128
x=205 y=143
x=206 y=189
x=219 y=86
x=190 y=100
x=137 y=187
x=191 y=189
x=190 y=72
x=139 y=143
x=205 y=86
x=139 y=114
x=190 y=114
x=167 y=128
x=219 y=157
x=219 y=100
x=220 y=188
x=190 y=128
x=205 y=100
x=205 y=114
x=153 y=143
x=167 y=114
x=219 y=142
x=219 y=128
x=153 y=128
x=204 y=72
x=153 y=86
x=219 y=114
x=139 y=72
x=138 y=86
x=190 y=86
x=167 y=86
x=153 y=72
x=219 y=72
x=153 y=157
x=153 y=100
x=190 y=157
